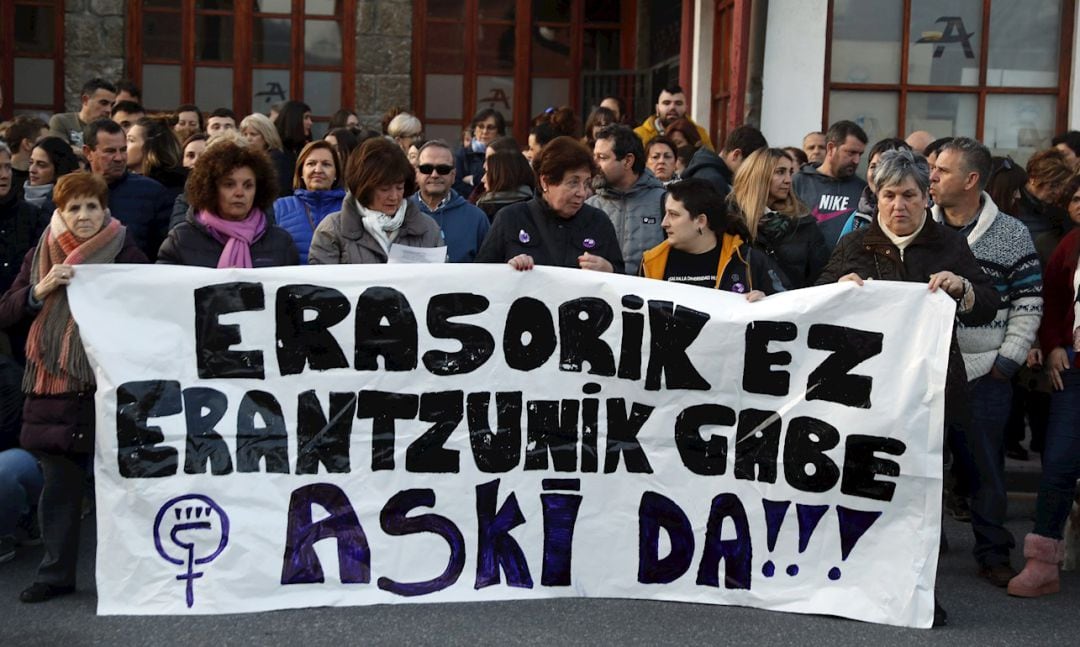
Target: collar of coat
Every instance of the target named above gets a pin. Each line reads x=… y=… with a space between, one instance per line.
x=988 y=212
x=352 y=225
x=930 y=234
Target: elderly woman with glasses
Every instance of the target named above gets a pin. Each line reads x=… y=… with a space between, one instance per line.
x=556 y=227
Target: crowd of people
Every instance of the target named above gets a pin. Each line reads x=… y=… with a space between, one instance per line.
x=113 y=183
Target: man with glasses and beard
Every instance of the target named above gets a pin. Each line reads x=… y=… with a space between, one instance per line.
x=463 y=225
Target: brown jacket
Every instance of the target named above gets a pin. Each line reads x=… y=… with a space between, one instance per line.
x=340 y=239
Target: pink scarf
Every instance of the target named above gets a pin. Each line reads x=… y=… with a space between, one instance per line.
x=236 y=235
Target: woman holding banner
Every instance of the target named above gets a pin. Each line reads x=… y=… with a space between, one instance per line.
x=903 y=244
x=705 y=246
x=58 y=411
x=557 y=227
x=230 y=190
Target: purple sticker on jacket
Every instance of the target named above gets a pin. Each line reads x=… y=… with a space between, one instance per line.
x=738 y=287
x=523 y=236
x=589 y=243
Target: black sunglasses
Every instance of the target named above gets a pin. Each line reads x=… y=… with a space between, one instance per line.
x=443 y=169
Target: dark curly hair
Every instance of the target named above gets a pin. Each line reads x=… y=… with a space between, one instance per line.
x=219 y=161
x=378 y=162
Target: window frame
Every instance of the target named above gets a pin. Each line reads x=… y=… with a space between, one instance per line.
x=980 y=90
x=242 y=65
x=522 y=74
x=9 y=54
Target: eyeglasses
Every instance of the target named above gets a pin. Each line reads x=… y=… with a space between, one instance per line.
x=442 y=169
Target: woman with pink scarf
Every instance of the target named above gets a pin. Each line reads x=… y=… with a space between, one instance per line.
x=229 y=190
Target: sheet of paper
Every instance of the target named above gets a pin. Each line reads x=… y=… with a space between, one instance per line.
x=406 y=254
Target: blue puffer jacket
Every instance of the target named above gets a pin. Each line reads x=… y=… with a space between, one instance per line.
x=300 y=213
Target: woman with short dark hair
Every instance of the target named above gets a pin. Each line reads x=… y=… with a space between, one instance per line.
x=230 y=190
x=556 y=227
x=486 y=126
x=374 y=214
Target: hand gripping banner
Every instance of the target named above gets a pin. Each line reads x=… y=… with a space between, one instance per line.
x=355 y=435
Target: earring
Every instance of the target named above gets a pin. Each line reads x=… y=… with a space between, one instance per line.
x=699 y=232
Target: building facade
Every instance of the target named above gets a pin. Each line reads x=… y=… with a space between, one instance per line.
x=1000 y=71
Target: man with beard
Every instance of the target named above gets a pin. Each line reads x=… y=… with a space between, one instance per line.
x=631 y=196
x=670 y=106
x=141 y=204
x=97 y=98
x=463 y=225
x=831 y=189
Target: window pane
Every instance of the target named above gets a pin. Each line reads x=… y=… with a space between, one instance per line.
x=213 y=87
x=449 y=134
x=33 y=29
x=322 y=42
x=866 y=41
x=267 y=88
x=551 y=50
x=497 y=9
x=213 y=38
x=161 y=86
x=1024 y=42
x=551 y=10
x=33 y=80
x=161 y=38
x=445 y=48
x=271 y=40
x=601 y=50
x=446 y=9
x=602 y=11
x=273 y=6
x=875 y=112
x=945 y=42
x=220 y=5
x=943 y=114
x=443 y=96
x=495 y=92
x=322 y=7
x=322 y=91
x=1018 y=124
x=549 y=93
x=495 y=48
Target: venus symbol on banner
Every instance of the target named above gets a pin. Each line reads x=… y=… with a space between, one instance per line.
x=197 y=526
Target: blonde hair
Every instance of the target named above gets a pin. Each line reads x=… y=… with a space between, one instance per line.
x=261 y=124
x=750 y=191
x=404 y=124
x=231 y=136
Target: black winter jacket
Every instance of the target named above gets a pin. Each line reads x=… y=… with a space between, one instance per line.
x=707 y=165
x=869 y=253
x=796 y=245
x=191 y=244
x=533 y=228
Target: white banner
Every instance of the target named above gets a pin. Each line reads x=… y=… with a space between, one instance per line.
x=348 y=435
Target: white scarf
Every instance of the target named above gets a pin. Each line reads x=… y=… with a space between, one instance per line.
x=383 y=227
x=902 y=242
x=37 y=195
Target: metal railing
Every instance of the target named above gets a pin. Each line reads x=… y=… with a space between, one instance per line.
x=637 y=88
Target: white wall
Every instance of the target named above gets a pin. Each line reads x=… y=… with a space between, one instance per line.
x=1074 y=82
x=700 y=103
x=793 y=77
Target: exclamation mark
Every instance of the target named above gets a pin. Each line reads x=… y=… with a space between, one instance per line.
x=775 y=511
x=853 y=525
x=809 y=516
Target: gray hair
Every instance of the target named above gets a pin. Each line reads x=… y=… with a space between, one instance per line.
x=4 y=150
x=896 y=166
x=404 y=125
x=435 y=143
x=976 y=157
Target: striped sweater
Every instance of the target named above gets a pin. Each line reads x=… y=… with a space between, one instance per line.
x=1004 y=249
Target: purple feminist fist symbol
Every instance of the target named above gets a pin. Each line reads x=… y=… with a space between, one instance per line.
x=197 y=530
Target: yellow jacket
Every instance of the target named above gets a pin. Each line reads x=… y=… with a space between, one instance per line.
x=647 y=130
x=654 y=261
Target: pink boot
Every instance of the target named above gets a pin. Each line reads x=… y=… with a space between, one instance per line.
x=1040 y=574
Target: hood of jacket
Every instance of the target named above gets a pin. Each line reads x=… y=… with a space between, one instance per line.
x=324 y=201
x=645 y=182
x=454 y=202
x=987 y=213
x=704 y=158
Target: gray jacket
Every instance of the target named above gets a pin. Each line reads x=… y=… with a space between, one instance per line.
x=636 y=215
x=341 y=238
